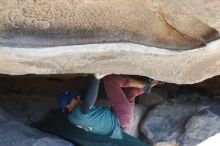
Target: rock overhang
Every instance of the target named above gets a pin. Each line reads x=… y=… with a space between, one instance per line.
x=183 y=67
x=149 y=38
x=59 y=23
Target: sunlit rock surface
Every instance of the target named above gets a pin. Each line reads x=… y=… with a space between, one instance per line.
x=146 y=37
x=54 y=23
x=177 y=67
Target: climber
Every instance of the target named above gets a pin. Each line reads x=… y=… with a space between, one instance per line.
x=121 y=92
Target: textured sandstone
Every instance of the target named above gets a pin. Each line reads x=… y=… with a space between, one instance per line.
x=146 y=37
x=63 y=22
x=177 y=67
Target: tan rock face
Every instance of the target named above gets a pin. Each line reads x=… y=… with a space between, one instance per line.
x=205 y=10
x=64 y=22
x=143 y=37
x=177 y=67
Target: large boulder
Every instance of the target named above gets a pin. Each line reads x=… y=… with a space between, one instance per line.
x=165 y=123
x=14 y=133
x=202 y=126
x=146 y=37
x=181 y=124
x=61 y=22
x=177 y=67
